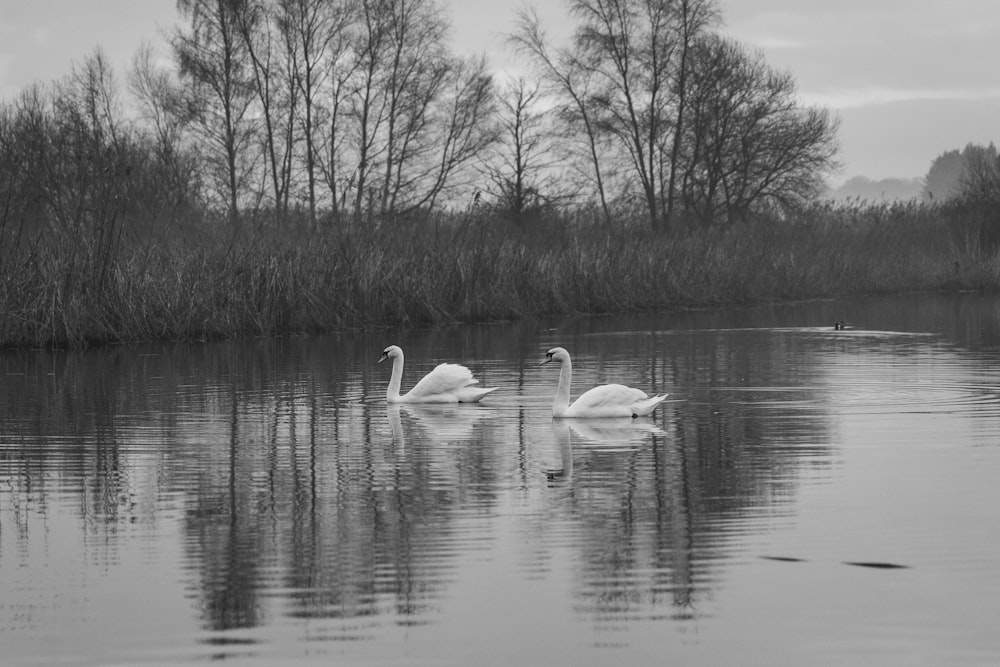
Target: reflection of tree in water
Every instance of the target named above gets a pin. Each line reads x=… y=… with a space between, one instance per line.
x=284 y=479
x=63 y=424
x=348 y=511
x=658 y=519
x=635 y=556
x=289 y=483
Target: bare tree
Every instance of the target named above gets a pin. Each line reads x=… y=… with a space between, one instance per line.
x=25 y=142
x=693 y=18
x=416 y=67
x=364 y=96
x=519 y=169
x=366 y=103
x=624 y=80
x=463 y=129
x=162 y=109
x=316 y=33
x=212 y=58
x=748 y=140
x=329 y=87
x=88 y=169
x=414 y=114
x=89 y=124
x=277 y=95
x=629 y=47
x=567 y=78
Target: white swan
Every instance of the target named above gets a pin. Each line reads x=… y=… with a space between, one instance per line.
x=606 y=400
x=447 y=383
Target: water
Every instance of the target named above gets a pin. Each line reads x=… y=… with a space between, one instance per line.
x=806 y=495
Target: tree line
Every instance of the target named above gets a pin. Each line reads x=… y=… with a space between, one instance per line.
x=971 y=175
x=359 y=111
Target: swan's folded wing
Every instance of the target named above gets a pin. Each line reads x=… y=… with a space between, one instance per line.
x=609 y=395
x=444 y=379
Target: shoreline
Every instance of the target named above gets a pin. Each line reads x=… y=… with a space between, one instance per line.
x=288 y=282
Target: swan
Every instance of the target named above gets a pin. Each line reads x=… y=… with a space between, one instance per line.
x=447 y=383
x=606 y=400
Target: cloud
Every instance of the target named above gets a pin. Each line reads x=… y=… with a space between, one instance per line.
x=908 y=80
x=858 y=52
x=774 y=43
x=901 y=139
x=41 y=35
x=860 y=97
x=7 y=91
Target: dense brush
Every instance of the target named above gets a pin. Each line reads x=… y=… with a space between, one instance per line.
x=470 y=268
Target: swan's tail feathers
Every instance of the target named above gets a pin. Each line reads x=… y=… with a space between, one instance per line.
x=470 y=394
x=646 y=406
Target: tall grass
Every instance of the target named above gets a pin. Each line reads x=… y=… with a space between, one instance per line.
x=467 y=268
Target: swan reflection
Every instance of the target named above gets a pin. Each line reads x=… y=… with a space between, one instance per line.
x=556 y=460
x=433 y=422
x=606 y=434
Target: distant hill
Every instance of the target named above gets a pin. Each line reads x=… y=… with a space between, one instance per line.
x=886 y=189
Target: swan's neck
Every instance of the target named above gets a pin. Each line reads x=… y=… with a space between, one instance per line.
x=392 y=393
x=562 y=393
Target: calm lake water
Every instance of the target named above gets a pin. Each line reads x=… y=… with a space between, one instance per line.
x=806 y=496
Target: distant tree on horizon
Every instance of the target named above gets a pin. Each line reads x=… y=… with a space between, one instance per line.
x=980 y=178
x=970 y=173
x=878 y=190
x=942 y=178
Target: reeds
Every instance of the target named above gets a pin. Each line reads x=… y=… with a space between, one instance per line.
x=469 y=268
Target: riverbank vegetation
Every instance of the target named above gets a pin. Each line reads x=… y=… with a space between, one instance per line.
x=469 y=267
x=311 y=165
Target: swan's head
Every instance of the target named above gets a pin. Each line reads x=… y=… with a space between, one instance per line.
x=390 y=352
x=556 y=354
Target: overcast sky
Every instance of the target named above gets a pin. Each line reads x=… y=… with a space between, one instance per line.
x=909 y=79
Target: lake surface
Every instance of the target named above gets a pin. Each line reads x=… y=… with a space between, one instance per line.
x=806 y=496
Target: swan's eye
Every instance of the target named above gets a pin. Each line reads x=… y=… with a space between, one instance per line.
x=548 y=355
